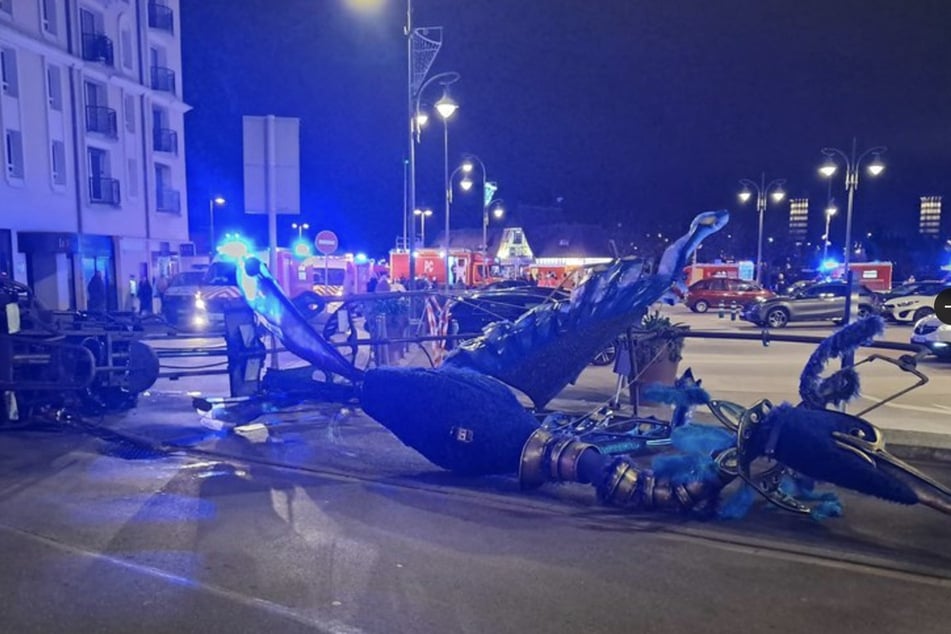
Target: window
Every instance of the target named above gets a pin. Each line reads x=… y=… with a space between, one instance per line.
x=126 y=39
x=96 y=95
x=13 y=144
x=8 y=72
x=58 y=161
x=54 y=88
x=133 y=178
x=48 y=16
x=129 y=111
x=6 y=7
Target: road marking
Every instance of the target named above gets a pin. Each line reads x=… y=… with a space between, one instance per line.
x=323 y=624
x=935 y=408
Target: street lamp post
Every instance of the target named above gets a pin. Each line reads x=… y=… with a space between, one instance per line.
x=852 y=165
x=423 y=215
x=830 y=211
x=212 y=203
x=498 y=212
x=488 y=191
x=762 y=190
x=300 y=229
x=446 y=107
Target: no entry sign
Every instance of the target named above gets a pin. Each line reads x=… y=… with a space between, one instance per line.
x=326 y=242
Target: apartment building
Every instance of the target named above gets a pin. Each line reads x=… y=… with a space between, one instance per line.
x=91 y=117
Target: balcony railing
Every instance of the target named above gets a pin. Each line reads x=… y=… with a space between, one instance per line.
x=102 y=120
x=168 y=200
x=163 y=79
x=161 y=17
x=165 y=140
x=97 y=48
x=104 y=191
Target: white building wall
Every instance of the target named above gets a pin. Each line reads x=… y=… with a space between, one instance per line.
x=61 y=200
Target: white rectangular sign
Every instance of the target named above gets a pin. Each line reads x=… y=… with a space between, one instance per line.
x=274 y=159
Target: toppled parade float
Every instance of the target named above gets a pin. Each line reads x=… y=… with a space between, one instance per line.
x=466 y=418
x=59 y=364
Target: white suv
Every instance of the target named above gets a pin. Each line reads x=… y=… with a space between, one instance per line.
x=911 y=308
x=935 y=335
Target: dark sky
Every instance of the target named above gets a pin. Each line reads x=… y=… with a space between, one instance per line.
x=634 y=111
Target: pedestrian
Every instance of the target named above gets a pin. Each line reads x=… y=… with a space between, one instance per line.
x=145 y=296
x=383 y=285
x=161 y=285
x=96 y=293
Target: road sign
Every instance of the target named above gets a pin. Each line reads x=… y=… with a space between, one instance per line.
x=271 y=165
x=326 y=242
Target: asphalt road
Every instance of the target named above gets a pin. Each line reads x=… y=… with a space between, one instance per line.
x=316 y=519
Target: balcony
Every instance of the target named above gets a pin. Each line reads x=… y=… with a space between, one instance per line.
x=104 y=191
x=101 y=120
x=97 y=48
x=165 y=140
x=161 y=17
x=168 y=200
x=163 y=79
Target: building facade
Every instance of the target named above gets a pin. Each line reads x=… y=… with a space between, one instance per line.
x=92 y=124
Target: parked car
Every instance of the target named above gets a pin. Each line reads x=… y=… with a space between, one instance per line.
x=909 y=288
x=915 y=305
x=711 y=292
x=934 y=334
x=816 y=302
x=469 y=314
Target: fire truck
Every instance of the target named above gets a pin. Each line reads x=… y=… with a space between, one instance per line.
x=469 y=267
x=197 y=300
x=877 y=276
x=736 y=270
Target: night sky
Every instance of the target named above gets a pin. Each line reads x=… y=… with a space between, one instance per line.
x=635 y=112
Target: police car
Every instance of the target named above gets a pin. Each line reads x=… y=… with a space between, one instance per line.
x=934 y=334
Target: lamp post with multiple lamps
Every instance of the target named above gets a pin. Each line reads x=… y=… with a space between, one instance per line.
x=853 y=164
x=488 y=191
x=830 y=211
x=214 y=201
x=301 y=227
x=445 y=107
x=773 y=189
x=423 y=215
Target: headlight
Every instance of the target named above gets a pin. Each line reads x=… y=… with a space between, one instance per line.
x=199 y=321
x=200 y=303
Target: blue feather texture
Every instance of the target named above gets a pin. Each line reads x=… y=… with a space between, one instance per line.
x=842 y=385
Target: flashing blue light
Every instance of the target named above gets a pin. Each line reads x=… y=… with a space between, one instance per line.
x=360 y=258
x=234 y=247
x=302 y=249
x=829 y=265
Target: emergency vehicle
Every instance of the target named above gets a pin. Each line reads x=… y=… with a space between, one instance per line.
x=733 y=270
x=877 y=276
x=312 y=283
x=468 y=267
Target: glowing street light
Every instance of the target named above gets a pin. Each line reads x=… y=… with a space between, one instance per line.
x=831 y=210
x=423 y=215
x=214 y=201
x=774 y=189
x=300 y=228
x=852 y=165
x=498 y=211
